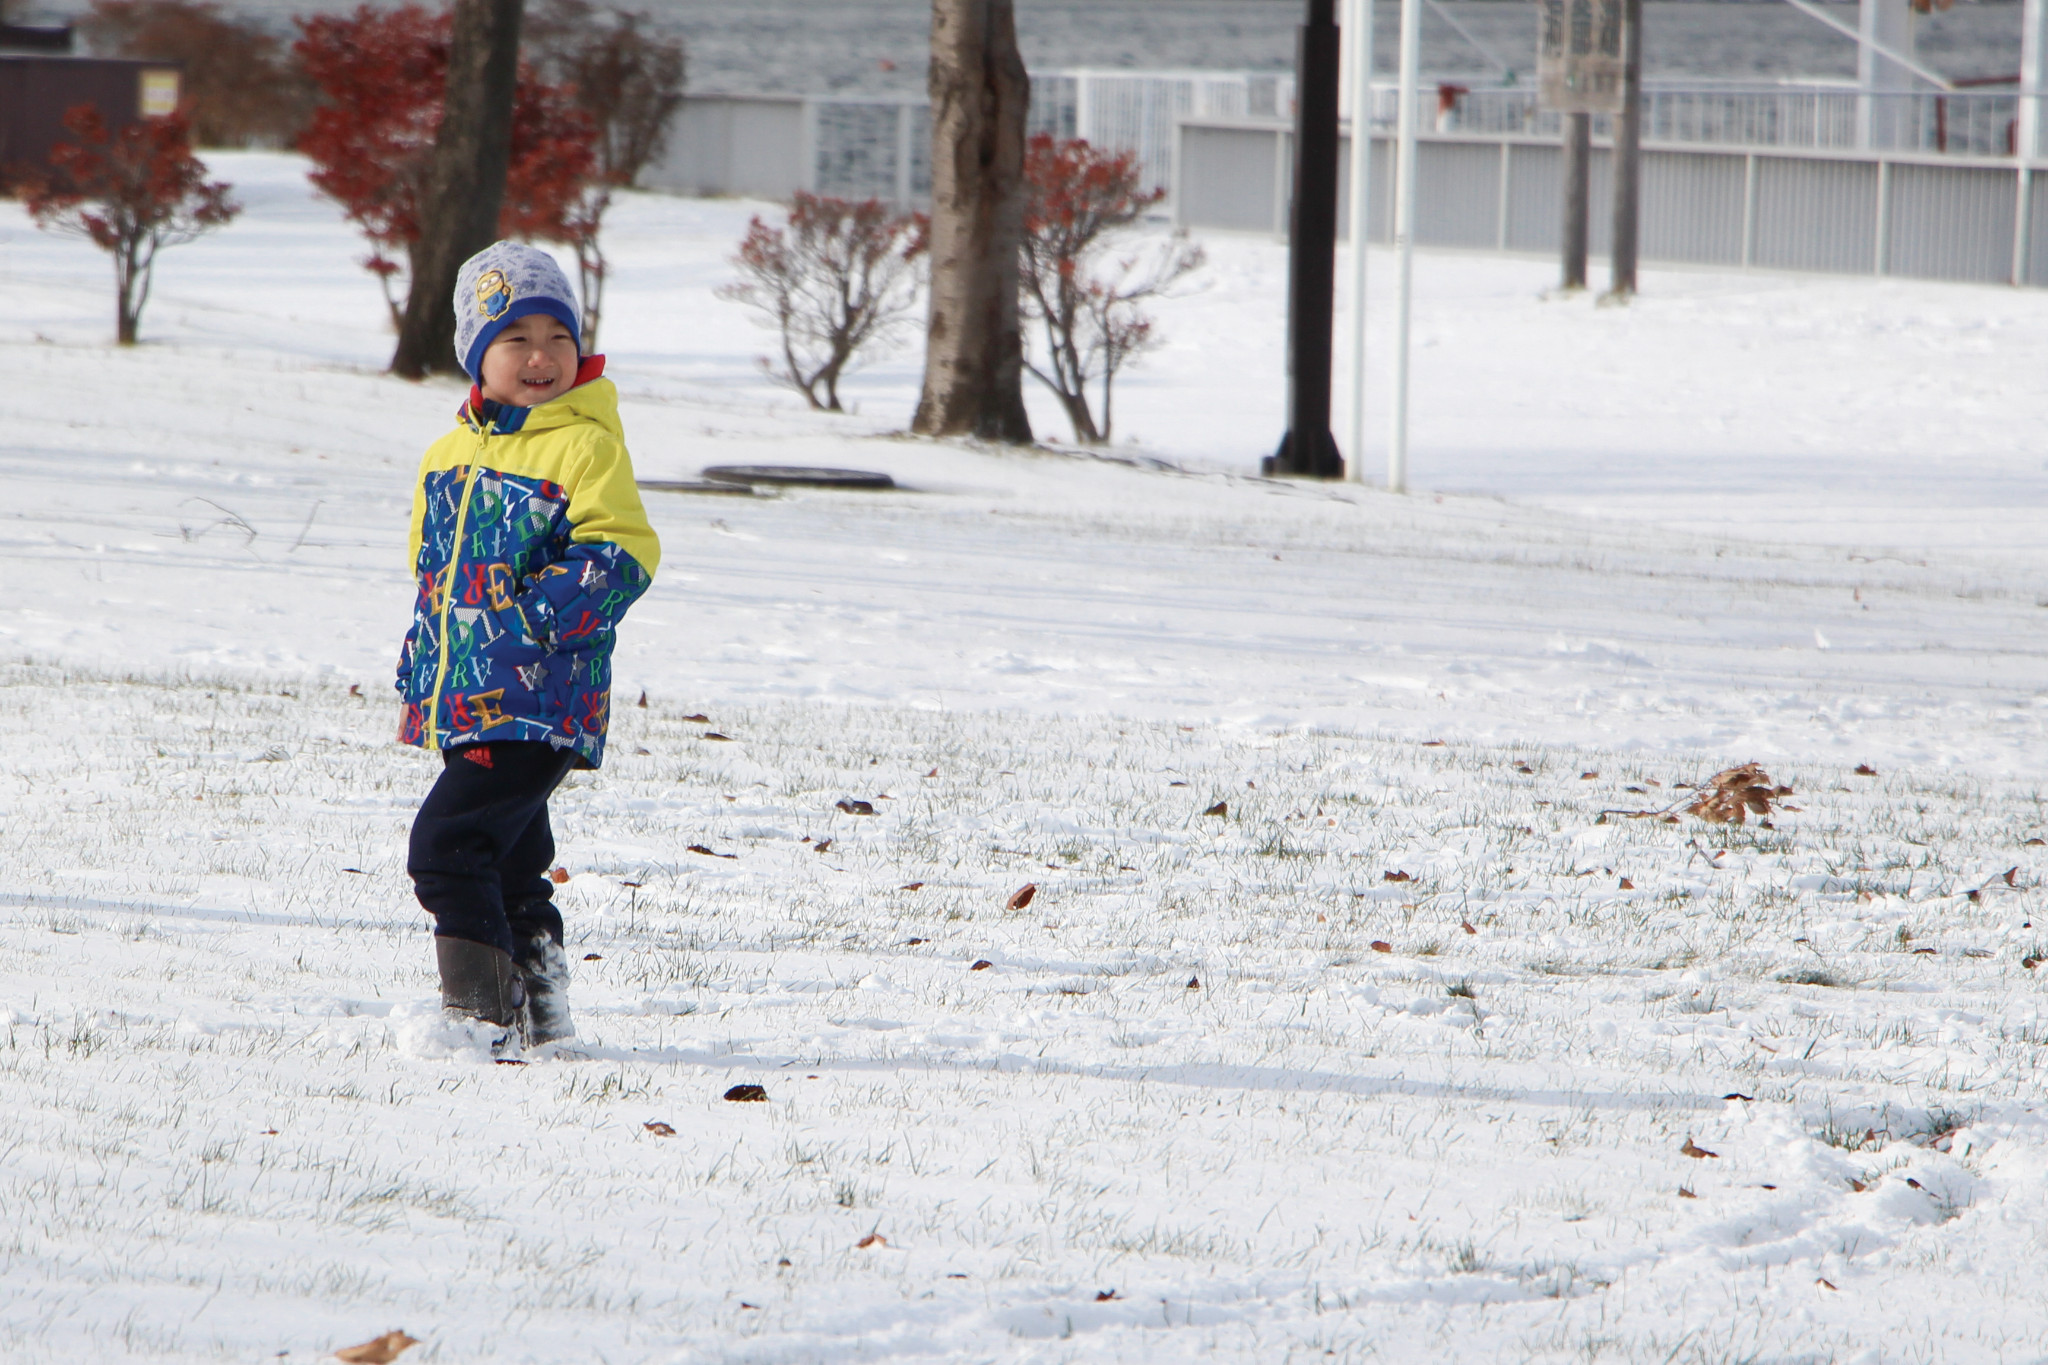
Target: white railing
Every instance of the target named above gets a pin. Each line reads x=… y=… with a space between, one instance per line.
x=1820 y=117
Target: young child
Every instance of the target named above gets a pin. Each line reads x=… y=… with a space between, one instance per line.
x=528 y=543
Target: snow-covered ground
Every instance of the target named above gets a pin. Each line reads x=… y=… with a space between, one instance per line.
x=1750 y=517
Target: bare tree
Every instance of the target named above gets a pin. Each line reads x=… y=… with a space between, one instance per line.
x=837 y=280
x=628 y=80
x=466 y=182
x=974 y=349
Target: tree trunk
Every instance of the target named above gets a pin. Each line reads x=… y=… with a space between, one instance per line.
x=1628 y=154
x=974 y=350
x=466 y=183
x=1578 y=159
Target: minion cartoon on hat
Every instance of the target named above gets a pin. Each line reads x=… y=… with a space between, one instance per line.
x=493 y=294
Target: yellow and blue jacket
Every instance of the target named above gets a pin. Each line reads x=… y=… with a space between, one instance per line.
x=528 y=544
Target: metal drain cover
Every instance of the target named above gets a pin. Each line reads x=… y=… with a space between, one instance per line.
x=797 y=476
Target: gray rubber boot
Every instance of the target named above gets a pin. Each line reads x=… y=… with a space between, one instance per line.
x=481 y=982
x=544 y=971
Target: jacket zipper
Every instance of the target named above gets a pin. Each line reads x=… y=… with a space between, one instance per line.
x=448 y=594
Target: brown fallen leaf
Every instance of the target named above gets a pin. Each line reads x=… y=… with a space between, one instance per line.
x=745 y=1304
x=1022 y=896
x=1738 y=1095
x=2011 y=875
x=821 y=845
x=913 y=942
x=378 y=1350
x=1589 y=775
x=981 y=965
x=1396 y=877
x=643 y=698
x=1220 y=808
x=855 y=807
x=1857 y=1185
x=1929 y=951
x=1865 y=770
x=2024 y=843
x=1525 y=770
x=1627 y=885
x=1466 y=925
x=1194 y=983
x=511 y=1061
x=933 y=773
x=747 y=1094
x=593 y=957
x=355 y=689
x=722 y=739
x=1432 y=744
x=2030 y=962
x=1686 y=1193
x=658 y=1128
x=1825 y=1284
x=873 y=1239
x=913 y=886
x=559 y=875
x=1697 y=1153
x=698 y=719
x=1380 y=945
x=1105 y=1295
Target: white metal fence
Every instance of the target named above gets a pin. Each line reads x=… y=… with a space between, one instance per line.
x=1964 y=123
x=1850 y=212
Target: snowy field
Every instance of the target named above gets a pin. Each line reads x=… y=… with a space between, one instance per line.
x=1399 y=1058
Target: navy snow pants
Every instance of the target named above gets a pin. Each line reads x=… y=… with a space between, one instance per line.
x=481 y=846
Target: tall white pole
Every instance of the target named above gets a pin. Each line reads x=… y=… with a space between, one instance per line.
x=2033 y=78
x=1358 y=49
x=1404 y=241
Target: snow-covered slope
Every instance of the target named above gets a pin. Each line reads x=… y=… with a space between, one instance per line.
x=1751 y=517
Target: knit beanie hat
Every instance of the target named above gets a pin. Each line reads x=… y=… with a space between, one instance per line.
x=503 y=282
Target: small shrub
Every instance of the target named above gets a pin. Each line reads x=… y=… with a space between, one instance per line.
x=836 y=279
x=1085 y=301
x=131 y=194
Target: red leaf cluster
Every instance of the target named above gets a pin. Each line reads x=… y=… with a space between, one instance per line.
x=382 y=75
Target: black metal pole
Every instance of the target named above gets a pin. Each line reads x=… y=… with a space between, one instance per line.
x=1308 y=449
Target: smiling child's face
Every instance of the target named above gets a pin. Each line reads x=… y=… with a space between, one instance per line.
x=532 y=360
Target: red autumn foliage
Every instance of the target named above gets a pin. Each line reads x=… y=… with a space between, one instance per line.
x=838 y=278
x=382 y=74
x=1085 y=300
x=626 y=76
x=131 y=194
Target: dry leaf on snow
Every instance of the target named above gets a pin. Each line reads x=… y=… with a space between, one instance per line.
x=1733 y=794
x=1697 y=1153
x=1022 y=896
x=379 y=1350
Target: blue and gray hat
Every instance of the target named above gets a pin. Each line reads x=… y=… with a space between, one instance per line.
x=504 y=281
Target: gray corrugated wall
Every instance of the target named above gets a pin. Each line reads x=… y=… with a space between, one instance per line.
x=1952 y=223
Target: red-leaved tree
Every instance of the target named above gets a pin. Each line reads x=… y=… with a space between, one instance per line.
x=131 y=193
x=1085 y=297
x=837 y=279
x=626 y=76
x=382 y=76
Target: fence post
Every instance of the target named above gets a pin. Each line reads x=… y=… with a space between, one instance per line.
x=1884 y=217
x=807 y=147
x=1749 y=187
x=902 y=157
x=2022 y=220
x=1578 y=161
x=1500 y=211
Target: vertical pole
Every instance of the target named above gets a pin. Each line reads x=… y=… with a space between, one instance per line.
x=1501 y=196
x=1358 y=50
x=1628 y=154
x=1578 y=161
x=1881 y=109
x=1404 y=242
x=1308 y=448
x=1884 y=219
x=1749 y=188
x=2027 y=140
x=903 y=157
